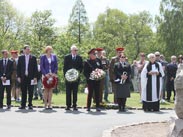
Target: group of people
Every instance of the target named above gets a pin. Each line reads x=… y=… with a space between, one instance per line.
x=155 y=76
x=26 y=73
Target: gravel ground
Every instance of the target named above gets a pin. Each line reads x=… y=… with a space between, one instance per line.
x=142 y=130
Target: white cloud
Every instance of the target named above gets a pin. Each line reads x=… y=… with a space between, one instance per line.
x=61 y=9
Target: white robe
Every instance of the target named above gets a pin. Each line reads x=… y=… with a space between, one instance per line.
x=144 y=79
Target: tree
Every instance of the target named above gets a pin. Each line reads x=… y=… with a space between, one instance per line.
x=11 y=26
x=41 y=30
x=110 y=29
x=170 y=29
x=139 y=34
x=78 y=21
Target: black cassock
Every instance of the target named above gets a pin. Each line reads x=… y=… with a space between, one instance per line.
x=151 y=86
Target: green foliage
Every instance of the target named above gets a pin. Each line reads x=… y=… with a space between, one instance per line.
x=41 y=30
x=170 y=29
x=115 y=28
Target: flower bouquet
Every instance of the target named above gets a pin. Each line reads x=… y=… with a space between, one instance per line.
x=97 y=74
x=72 y=75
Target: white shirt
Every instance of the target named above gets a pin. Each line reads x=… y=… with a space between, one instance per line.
x=49 y=61
x=26 y=64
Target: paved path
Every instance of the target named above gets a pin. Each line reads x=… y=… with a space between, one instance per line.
x=59 y=123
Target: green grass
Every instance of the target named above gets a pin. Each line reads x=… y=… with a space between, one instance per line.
x=60 y=99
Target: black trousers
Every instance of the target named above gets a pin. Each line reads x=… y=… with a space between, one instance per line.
x=71 y=88
x=8 y=94
x=121 y=103
x=26 y=86
x=170 y=88
x=93 y=87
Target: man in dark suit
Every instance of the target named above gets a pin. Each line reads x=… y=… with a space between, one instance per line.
x=75 y=61
x=27 y=71
x=6 y=69
x=171 y=74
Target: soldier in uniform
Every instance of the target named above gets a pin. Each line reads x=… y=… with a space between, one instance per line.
x=93 y=85
x=119 y=52
x=105 y=65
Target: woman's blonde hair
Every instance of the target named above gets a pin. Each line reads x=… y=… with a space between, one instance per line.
x=48 y=48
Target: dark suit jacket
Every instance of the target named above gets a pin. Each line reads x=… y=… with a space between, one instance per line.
x=32 y=67
x=69 y=63
x=118 y=70
x=9 y=69
x=171 y=70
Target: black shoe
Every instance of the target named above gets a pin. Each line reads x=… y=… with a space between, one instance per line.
x=88 y=109
x=9 y=107
x=120 y=109
x=98 y=109
x=75 y=109
x=30 y=107
x=124 y=110
x=21 y=107
x=67 y=108
x=35 y=98
x=50 y=108
x=41 y=98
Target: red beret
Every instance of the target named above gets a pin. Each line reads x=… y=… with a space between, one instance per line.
x=119 y=49
x=92 y=51
x=14 y=51
x=99 y=49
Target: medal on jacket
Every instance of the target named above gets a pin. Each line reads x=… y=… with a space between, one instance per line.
x=98 y=64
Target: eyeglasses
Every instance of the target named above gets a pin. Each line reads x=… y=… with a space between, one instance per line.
x=123 y=57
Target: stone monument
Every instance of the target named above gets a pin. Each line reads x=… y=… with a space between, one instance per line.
x=176 y=128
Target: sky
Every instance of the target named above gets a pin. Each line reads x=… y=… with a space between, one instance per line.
x=61 y=9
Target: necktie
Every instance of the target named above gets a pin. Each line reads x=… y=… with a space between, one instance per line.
x=5 y=62
x=74 y=57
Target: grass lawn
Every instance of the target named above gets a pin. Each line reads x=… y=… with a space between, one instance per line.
x=60 y=99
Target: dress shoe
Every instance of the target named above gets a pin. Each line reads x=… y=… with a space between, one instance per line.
x=9 y=107
x=21 y=107
x=88 y=109
x=75 y=109
x=67 y=108
x=30 y=107
x=98 y=109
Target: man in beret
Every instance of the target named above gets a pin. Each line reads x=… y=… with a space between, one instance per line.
x=6 y=69
x=119 y=52
x=90 y=65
